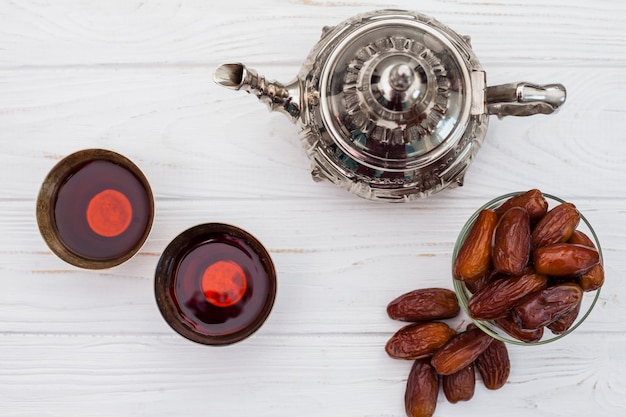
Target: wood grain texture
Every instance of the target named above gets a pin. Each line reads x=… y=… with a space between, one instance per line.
x=308 y=375
x=136 y=77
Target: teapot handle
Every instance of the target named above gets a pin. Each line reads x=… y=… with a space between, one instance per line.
x=524 y=99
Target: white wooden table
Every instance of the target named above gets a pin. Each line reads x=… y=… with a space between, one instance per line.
x=135 y=76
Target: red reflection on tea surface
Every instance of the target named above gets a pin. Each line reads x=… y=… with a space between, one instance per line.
x=224 y=283
x=109 y=213
x=238 y=303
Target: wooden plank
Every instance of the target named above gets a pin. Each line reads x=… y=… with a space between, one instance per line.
x=307 y=376
x=53 y=34
x=337 y=267
x=194 y=139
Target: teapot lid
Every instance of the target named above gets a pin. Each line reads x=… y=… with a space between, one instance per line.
x=395 y=89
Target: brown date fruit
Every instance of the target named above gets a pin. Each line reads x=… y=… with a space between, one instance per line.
x=564 y=259
x=592 y=279
x=497 y=298
x=424 y=304
x=460 y=385
x=494 y=365
x=532 y=201
x=460 y=351
x=545 y=306
x=422 y=388
x=480 y=283
x=565 y=321
x=579 y=238
x=418 y=340
x=511 y=242
x=556 y=226
x=473 y=260
x=510 y=327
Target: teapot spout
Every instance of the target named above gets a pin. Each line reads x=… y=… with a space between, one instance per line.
x=278 y=97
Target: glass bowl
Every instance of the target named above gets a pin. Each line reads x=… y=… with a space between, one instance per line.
x=489 y=326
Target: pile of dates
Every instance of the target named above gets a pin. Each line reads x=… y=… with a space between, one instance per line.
x=442 y=355
x=527 y=267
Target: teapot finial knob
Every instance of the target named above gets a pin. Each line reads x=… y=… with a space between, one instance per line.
x=401 y=77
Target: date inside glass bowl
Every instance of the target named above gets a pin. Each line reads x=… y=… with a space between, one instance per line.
x=527 y=268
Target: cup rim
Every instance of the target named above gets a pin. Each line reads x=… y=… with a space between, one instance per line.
x=47 y=197
x=463 y=293
x=167 y=267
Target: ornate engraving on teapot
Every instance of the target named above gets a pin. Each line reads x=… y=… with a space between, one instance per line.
x=392 y=105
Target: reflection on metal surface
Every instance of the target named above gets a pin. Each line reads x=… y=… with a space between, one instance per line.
x=392 y=105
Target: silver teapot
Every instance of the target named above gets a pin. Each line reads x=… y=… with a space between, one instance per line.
x=392 y=105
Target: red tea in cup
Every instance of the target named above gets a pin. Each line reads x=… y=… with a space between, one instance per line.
x=215 y=284
x=95 y=209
